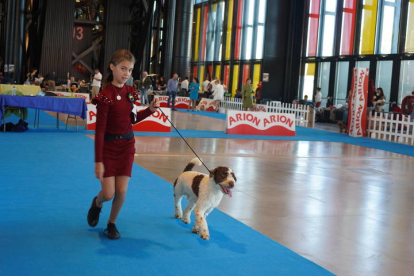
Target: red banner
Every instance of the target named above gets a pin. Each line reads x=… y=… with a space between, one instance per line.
x=357 y=116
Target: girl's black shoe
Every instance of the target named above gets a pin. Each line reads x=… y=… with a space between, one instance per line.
x=93 y=213
x=112 y=232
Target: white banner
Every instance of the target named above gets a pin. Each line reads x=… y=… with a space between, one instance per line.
x=208 y=105
x=180 y=102
x=157 y=122
x=357 y=116
x=68 y=94
x=260 y=123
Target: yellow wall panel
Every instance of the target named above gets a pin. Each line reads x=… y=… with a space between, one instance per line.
x=229 y=28
x=235 y=79
x=256 y=75
x=310 y=69
x=217 y=73
x=369 y=27
x=201 y=74
x=409 y=42
x=197 y=37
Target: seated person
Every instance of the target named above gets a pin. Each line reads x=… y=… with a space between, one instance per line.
x=304 y=101
x=238 y=94
x=44 y=86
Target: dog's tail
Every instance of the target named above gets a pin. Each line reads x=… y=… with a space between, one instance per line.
x=193 y=162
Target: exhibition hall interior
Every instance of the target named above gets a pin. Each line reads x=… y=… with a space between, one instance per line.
x=208 y=137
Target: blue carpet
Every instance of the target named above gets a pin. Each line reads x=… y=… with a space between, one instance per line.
x=48 y=124
x=210 y=114
x=47 y=184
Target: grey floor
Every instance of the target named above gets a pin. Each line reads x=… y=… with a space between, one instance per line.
x=345 y=207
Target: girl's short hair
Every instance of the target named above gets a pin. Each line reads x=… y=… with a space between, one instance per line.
x=116 y=58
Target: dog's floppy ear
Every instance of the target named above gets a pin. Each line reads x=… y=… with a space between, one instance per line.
x=234 y=176
x=212 y=172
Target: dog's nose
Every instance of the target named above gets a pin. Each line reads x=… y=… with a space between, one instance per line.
x=231 y=184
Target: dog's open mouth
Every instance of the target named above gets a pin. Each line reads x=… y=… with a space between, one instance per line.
x=226 y=191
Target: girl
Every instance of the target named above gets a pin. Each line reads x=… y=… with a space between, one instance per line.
x=379 y=100
x=247 y=95
x=114 y=139
x=194 y=88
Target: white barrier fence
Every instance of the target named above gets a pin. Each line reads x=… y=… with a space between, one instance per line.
x=391 y=127
x=303 y=116
x=302 y=112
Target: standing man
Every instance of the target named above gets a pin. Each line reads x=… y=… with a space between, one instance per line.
x=184 y=86
x=96 y=83
x=51 y=80
x=172 y=87
x=144 y=86
x=318 y=97
x=205 y=87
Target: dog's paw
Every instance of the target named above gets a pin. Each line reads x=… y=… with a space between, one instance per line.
x=186 y=221
x=178 y=216
x=204 y=236
x=195 y=230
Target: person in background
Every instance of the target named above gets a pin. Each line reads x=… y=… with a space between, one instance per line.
x=318 y=97
x=184 y=86
x=194 y=88
x=51 y=80
x=33 y=75
x=96 y=83
x=213 y=85
x=258 y=94
x=295 y=101
x=44 y=86
x=162 y=86
x=304 y=101
x=205 y=86
x=379 y=100
x=172 y=87
x=329 y=101
x=144 y=86
x=218 y=94
x=238 y=94
x=247 y=95
x=40 y=78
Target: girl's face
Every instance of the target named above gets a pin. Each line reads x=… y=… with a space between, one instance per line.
x=122 y=71
x=379 y=92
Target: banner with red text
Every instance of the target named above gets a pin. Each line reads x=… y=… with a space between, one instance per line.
x=260 y=123
x=157 y=122
x=180 y=102
x=357 y=116
x=77 y=95
x=208 y=105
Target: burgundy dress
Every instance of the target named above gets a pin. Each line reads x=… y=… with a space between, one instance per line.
x=114 y=117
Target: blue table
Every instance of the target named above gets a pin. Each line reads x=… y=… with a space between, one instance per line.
x=72 y=106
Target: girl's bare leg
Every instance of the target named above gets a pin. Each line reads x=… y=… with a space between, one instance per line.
x=121 y=186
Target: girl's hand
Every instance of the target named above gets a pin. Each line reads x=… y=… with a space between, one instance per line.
x=99 y=170
x=154 y=105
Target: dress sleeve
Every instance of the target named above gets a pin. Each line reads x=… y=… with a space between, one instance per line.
x=102 y=103
x=142 y=115
x=101 y=119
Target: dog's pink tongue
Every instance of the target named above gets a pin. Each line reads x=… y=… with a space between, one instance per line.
x=229 y=193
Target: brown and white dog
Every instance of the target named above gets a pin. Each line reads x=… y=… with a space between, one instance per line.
x=204 y=192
